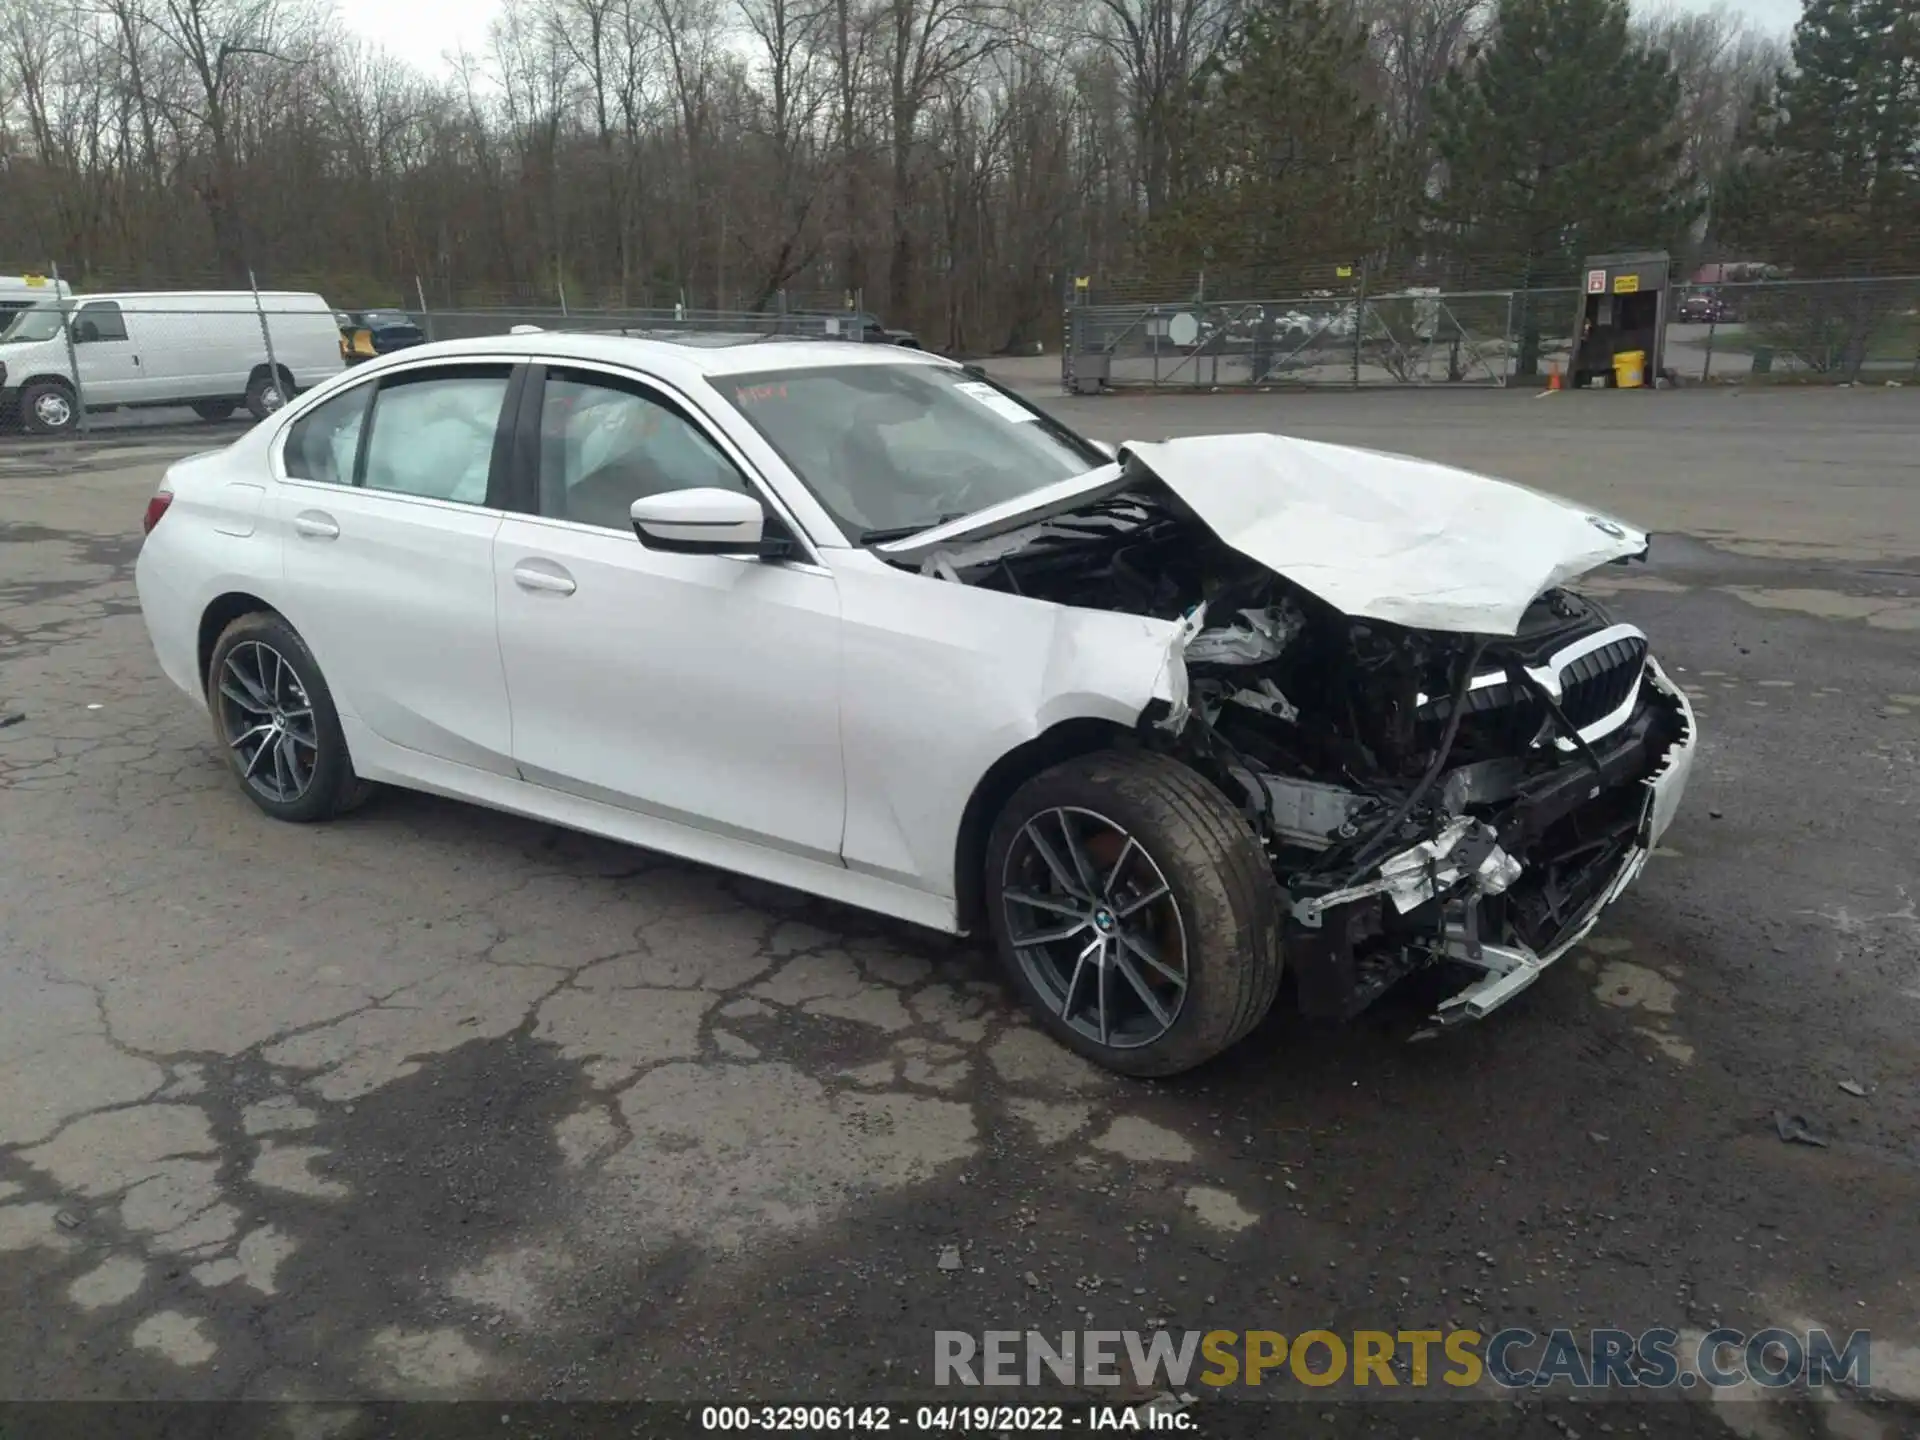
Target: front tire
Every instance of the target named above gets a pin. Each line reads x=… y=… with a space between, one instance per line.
x=48 y=407
x=275 y=719
x=1135 y=911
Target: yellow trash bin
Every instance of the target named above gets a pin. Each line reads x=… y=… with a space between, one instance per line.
x=1630 y=369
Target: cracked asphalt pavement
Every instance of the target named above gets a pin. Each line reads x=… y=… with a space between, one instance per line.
x=433 y=1102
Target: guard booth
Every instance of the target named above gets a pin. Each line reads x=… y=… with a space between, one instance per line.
x=1620 y=335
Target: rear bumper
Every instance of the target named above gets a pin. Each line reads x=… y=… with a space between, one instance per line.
x=171 y=623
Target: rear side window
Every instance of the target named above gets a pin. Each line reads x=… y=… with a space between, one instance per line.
x=433 y=433
x=323 y=443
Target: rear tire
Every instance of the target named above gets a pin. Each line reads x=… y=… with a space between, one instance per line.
x=213 y=411
x=1147 y=938
x=275 y=720
x=266 y=393
x=47 y=407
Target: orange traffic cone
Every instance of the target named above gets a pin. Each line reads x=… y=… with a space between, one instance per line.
x=1553 y=375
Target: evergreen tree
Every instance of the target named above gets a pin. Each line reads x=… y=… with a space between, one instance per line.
x=1560 y=139
x=1832 y=183
x=1279 y=175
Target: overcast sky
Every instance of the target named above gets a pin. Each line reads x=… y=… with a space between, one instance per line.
x=424 y=31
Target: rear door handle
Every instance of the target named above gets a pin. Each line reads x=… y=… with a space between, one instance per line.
x=320 y=527
x=552 y=580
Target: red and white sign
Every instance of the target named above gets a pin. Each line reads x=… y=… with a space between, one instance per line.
x=1596 y=282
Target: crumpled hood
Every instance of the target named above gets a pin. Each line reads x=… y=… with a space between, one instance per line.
x=1376 y=536
x=1388 y=537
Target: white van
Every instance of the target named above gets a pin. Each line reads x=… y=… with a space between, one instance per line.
x=199 y=348
x=17 y=292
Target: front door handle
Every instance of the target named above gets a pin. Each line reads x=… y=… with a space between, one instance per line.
x=320 y=527
x=554 y=581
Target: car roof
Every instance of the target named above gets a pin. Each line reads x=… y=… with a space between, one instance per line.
x=700 y=355
x=237 y=296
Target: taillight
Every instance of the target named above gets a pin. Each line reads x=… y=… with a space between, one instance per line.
x=156 y=507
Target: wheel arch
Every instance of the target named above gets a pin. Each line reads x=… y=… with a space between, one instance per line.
x=1080 y=735
x=261 y=372
x=219 y=614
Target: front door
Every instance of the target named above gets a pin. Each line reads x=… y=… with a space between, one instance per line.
x=108 y=360
x=700 y=689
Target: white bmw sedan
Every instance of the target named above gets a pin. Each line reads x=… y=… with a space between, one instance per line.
x=855 y=620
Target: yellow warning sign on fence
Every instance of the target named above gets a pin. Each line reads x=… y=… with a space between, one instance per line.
x=1626 y=284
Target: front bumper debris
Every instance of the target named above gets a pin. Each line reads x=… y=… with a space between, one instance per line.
x=1458 y=896
x=1510 y=968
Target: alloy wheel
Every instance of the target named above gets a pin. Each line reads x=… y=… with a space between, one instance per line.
x=267 y=720
x=1095 y=927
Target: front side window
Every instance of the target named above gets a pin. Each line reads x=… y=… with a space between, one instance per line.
x=897 y=447
x=604 y=445
x=98 y=323
x=433 y=433
x=323 y=444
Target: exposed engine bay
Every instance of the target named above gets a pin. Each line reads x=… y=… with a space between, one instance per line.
x=1425 y=796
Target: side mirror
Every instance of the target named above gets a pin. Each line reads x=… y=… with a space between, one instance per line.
x=708 y=521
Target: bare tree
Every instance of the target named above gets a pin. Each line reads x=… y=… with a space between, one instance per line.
x=928 y=44
x=1723 y=63
x=1160 y=45
x=789 y=35
x=1414 y=44
x=224 y=45
x=954 y=160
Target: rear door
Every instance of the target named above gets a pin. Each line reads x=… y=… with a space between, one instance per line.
x=306 y=340
x=390 y=500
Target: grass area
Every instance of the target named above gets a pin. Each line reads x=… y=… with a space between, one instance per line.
x=1895 y=341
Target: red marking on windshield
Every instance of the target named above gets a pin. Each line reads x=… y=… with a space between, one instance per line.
x=749 y=394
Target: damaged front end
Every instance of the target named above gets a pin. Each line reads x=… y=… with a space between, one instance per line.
x=1427 y=797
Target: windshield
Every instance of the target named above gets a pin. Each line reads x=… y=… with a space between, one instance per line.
x=36 y=322
x=890 y=449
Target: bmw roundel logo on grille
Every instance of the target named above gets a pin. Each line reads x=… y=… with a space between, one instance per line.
x=1606 y=526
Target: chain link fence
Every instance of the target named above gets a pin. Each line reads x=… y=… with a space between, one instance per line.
x=1853 y=331
x=1411 y=338
x=73 y=364
x=1832 y=331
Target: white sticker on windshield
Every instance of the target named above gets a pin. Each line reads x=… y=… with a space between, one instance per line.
x=1005 y=408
